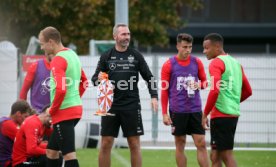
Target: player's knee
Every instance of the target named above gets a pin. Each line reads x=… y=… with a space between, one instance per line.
x=134 y=145
x=214 y=158
x=106 y=144
x=52 y=154
x=70 y=156
x=200 y=144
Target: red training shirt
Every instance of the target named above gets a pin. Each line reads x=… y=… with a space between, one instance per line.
x=28 y=142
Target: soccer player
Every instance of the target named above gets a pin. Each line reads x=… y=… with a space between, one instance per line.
x=229 y=88
x=29 y=148
x=182 y=77
x=37 y=79
x=9 y=126
x=69 y=85
x=123 y=65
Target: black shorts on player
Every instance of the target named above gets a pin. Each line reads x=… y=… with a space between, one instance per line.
x=63 y=137
x=129 y=120
x=223 y=132
x=186 y=123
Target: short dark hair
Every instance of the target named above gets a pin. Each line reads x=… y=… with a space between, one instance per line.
x=51 y=33
x=20 y=105
x=115 y=28
x=184 y=37
x=214 y=37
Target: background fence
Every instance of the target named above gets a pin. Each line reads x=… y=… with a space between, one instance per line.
x=257 y=122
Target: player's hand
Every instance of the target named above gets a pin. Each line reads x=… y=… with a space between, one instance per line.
x=154 y=104
x=167 y=120
x=205 y=122
x=48 y=111
x=102 y=75
x=193 y=85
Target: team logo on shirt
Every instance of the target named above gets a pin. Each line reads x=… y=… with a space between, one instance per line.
x=112 y=66
x=182 y=83
x=130 y=59
x=45 y=86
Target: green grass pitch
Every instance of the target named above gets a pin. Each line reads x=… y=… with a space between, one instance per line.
x=165 y=158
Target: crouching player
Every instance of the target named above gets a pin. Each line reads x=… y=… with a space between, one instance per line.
x=29 y=148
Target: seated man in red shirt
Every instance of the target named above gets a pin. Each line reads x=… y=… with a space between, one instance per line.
x=8 y=129
x=29 y=148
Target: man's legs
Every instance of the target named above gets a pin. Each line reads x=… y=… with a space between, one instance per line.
x=215 y=158
x=202 y=155
x=228 y=158
x=105 y=151
x=135 y=151
x=180 y=157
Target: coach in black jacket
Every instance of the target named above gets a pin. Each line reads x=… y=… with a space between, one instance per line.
x=123 y=64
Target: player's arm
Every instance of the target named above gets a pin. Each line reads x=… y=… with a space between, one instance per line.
x=147 y=76
x=58 y=69
x=151 y=81
x=83 y=83
x=246 y=88
x=201 y=75
x=216 y=69
x=32 y=140
x=165 y=80
x=28 y=81
x=9 y=129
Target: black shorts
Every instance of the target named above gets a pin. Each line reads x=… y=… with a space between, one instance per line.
x=130 y=121
x=186 y=123
x=63 y=137
x=39 y=161
x=223 y=132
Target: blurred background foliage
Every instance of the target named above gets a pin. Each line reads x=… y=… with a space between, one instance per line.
x=82 y=20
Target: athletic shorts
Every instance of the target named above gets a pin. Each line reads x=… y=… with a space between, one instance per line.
x=130 y=121
x=223 y=132
x=186 y=123
x=39 y=161
x=63 y=137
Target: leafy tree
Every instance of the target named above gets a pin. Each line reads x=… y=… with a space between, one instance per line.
x=82 y=20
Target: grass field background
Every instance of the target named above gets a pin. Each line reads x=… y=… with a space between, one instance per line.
x=165 y=158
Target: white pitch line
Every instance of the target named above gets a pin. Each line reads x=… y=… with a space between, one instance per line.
x=120 y=158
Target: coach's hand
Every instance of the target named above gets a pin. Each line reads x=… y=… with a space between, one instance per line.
x=167 y=120
x=154 y=104
x=102 y=75
x=205 y=122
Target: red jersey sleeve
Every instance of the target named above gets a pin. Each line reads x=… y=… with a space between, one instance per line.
x=201 y=74
x=83 y=83
x=28 y=81
x=9 y=129
x=32 y=139
x=246 y=88
x=216 y=69
x=58 y=68
x=165 y=80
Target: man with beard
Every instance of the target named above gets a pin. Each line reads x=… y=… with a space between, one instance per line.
x=123 y=65
x=9 y=126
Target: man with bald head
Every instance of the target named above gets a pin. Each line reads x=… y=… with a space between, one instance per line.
x=65 y=96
